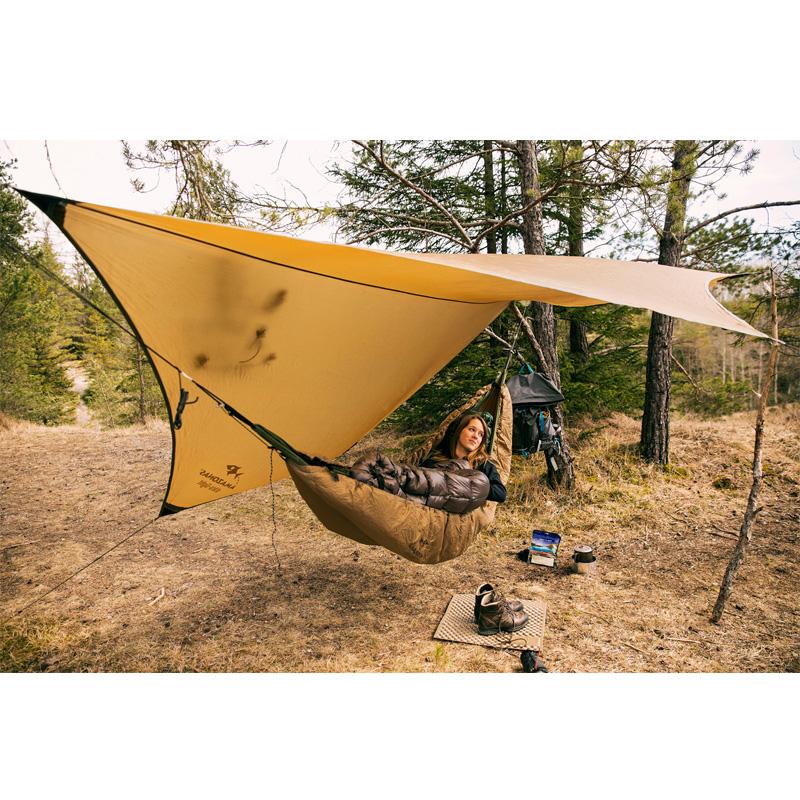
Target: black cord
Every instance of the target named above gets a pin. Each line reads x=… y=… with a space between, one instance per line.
x=69 y=288
x=78 y=571
x=274 y=521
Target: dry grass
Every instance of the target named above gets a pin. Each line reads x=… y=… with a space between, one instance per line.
x=199 y=591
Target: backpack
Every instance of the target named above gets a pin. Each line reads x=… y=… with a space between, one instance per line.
x=533 y=397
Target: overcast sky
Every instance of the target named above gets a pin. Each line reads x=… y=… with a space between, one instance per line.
x=94 y=171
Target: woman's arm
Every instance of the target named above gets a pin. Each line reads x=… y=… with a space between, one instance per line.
x=497 y=491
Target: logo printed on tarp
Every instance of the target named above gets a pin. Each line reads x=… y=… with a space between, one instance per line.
x=234 y=471
x=215 y=483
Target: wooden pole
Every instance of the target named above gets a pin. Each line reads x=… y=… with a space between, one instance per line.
x=752 y=509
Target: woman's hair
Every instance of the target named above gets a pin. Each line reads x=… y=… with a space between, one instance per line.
x=447 y=447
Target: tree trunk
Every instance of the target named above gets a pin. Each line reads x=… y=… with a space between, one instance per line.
x=760 y=367
x=503 y=203
x=723 y=361
x=542 y=317
x=654 y=442
x=532 y=231
x=751 y=510
x=140 y=373
x=578 y=343
x=490 y=209
x=489 y=193
x=658 y=386
x=531 y=225
x=775 y=394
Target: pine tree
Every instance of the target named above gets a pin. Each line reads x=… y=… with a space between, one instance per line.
x=123 y=389
x=35 y=385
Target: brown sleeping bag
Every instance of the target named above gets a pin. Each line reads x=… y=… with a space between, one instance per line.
x=451 y=486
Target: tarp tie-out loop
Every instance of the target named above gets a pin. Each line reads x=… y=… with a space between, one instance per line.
x=182 y=403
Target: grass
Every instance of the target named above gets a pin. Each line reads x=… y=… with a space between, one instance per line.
x=25 y=645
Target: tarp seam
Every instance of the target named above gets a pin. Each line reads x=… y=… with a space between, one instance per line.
x=280 y=263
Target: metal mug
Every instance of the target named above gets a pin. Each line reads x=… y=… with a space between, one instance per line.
x=585 y=561
x=583 y=554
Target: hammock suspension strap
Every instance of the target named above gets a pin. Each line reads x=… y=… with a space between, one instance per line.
x=501 y=379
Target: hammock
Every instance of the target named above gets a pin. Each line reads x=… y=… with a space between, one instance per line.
x=421 y=534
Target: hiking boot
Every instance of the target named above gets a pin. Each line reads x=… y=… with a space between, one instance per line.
x=496 y=616
x=486 y=588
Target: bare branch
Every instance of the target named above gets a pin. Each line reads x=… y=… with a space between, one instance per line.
x=280 y=157
x=688 y=376
x=537 y=348
x=751 y=510
x=52 y=172
x=506 y=344
x=708 y=221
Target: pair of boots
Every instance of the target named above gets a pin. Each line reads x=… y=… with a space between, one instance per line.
x=495 y=614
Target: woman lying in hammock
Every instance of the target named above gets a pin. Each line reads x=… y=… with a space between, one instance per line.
x=457 y=477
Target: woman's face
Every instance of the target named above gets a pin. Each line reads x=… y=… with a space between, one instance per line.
x=471 y=435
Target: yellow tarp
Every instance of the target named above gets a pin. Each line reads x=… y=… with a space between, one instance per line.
x=319 y=342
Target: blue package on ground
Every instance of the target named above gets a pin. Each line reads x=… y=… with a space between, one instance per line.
x=544 y=548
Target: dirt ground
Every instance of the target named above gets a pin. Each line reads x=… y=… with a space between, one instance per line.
x=201 y=590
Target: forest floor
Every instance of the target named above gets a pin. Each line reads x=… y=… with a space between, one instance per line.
x=200 y=590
